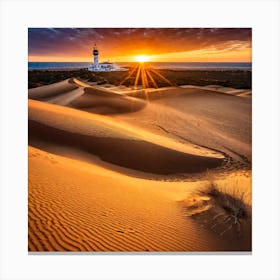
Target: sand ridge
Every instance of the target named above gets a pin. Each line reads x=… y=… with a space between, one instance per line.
x=109 y=139
x=51 y=90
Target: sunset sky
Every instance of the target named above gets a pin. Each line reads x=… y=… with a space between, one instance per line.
x=124 y=44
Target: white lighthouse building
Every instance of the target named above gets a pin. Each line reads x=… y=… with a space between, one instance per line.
x=104 y=66
x=95 y=57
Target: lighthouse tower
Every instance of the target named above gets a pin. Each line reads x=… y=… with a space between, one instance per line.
x=103 y=66
x=95 y=57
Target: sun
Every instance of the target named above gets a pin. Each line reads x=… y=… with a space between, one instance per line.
x=142 y=58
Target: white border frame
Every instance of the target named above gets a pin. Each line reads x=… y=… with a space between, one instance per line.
x=262 y=16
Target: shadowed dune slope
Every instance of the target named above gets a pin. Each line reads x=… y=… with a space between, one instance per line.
x=115 y=143
x=105 y=102
x=128 y=153
x=77 y=94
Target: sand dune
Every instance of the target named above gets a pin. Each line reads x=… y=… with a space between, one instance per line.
x=221 y=89
x=74 y=206
x=206 y=118
x=119 y=144
x=43 y=92
x=117 y=183
x=66 y=97
x=78 y=94
x=98 y=101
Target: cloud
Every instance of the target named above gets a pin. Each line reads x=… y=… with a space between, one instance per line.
x=131 y=41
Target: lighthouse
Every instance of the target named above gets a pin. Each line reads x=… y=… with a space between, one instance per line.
x=103 y=66
x=95 y=57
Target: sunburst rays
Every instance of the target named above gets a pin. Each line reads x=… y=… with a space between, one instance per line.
x=146 y=77
x=129 y=75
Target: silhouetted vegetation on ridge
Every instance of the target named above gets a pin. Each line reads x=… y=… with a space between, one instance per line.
x=235 y=78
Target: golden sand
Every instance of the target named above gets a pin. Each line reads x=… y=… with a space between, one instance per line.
x=109 y=170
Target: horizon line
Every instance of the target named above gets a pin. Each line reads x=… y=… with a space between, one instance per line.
x=146 y=62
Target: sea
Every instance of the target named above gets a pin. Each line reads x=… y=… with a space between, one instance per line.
x=156 y=65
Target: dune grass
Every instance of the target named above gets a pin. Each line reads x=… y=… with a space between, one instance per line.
x=230 y=207
x=233 y=203
x=222 y=206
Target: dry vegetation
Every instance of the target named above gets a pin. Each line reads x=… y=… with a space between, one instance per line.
x=233 y=204
x=225 y=211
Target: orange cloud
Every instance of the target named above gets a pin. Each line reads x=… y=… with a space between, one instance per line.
x=123 y=44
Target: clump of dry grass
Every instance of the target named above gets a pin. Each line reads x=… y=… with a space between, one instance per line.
x=229 y=205
x=234 y=204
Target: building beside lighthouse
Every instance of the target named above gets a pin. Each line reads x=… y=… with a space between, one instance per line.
x=104 y=66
